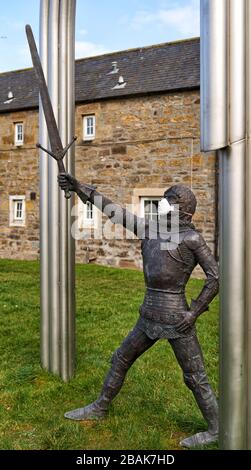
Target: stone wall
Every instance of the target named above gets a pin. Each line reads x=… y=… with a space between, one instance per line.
x=19 y=176
x=145 y=142
x=142 y=144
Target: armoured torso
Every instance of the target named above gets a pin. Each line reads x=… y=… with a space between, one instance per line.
x=166 y=273
x=167 y=269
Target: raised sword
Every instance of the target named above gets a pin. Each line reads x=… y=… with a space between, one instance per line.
x=57 y=150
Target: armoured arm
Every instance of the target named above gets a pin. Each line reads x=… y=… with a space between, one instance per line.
x=116 y=213
x=205 y=259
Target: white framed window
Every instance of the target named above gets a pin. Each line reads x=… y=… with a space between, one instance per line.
x=17 y=211
x=87 y=215
x=19 y=133
x=89 y=127
x=149 y=207
x=89 y=212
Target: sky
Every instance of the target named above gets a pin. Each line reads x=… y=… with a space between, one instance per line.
x=102 y=26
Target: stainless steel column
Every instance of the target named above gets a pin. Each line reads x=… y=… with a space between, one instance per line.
x=248 y=227
x=63 y=255
x=233 y=367
x=66 y=126
x=53 y=208
x=57 y=36
x=71 y=169
x=43 y=169
x=214 y=74
x=223 y=126
x=232 y=297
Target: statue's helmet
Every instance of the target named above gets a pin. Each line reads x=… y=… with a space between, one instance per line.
x=184 y=197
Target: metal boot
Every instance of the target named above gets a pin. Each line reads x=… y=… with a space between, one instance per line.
x=209 y=410
x=112 y=385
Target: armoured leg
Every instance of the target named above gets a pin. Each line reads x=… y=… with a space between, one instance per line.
x=135 y=344
x=190 y=358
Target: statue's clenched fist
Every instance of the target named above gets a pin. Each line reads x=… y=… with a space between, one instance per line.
x=67 y=182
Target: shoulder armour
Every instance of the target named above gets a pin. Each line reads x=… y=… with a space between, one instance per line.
x=194 y=239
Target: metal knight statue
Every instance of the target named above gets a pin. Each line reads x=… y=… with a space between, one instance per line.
x=167 y=268
x=164 y=312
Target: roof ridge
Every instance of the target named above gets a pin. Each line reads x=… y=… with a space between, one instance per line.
x=107 y=54
x=28 y=69
x=134 y=49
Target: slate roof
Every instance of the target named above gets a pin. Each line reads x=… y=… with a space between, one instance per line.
x=160 y=68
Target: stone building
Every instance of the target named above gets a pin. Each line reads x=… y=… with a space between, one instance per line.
x=137 y=123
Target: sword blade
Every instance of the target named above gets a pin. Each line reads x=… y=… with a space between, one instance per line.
x=53 y=132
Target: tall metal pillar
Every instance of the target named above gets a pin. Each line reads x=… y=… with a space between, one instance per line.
x=248 y=227
x=224 y=28
x=57 y=46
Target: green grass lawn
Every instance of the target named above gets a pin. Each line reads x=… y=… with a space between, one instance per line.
x=154 y=409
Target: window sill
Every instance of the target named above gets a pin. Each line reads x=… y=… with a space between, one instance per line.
x=17 y=224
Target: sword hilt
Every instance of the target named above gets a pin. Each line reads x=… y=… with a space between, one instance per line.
x=61 y=169
x=67 y=194
x=59 y=159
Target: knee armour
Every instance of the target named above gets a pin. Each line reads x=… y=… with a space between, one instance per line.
x=198 y=382
x=120 y=361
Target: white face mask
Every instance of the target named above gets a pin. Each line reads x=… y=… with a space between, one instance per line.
x=164 y=207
